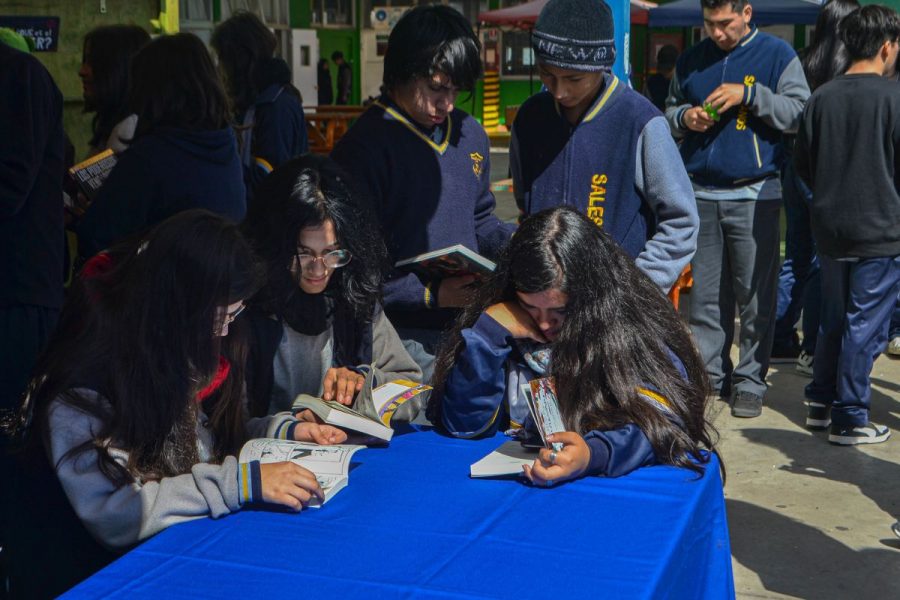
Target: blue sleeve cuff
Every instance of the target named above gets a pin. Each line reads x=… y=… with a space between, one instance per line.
x=285 y=431
x=249 y=482
x=599 y=456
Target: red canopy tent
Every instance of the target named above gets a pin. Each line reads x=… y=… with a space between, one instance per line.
x=523 y=16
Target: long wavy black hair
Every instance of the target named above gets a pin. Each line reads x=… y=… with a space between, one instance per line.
x=108 y=51
x=175 y=84
x=306 y=192
x=142 y=335
x=826 y=57
x=617 y=336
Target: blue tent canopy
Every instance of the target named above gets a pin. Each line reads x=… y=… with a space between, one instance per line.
x=687 y=13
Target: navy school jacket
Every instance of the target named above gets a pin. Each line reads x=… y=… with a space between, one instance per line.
x=619 y=166
x=745 y=146
x=481 y=397
x=163 y=173
x=430 y=189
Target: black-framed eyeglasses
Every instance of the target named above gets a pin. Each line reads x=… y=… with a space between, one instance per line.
x=331 y=260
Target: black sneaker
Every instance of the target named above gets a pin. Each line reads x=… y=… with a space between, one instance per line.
x=818 y=416
x=870 y=433
x=896 y=528
x=746 y=405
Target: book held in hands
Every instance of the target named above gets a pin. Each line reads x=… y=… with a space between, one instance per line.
x=453 y=261
x=330 y=464
x=540 y=395
x=372 y=409
x=91 y=173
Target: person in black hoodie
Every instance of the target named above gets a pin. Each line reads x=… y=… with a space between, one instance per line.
x=267 y=107
x=846 y=151
x=183 y=154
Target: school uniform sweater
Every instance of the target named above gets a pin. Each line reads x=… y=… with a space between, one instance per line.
x=31 y=173
x=163 y=173
x=619 y=166
x=119 y=517
x=744 y=148
x=481 y=396
x=848 y=151
x=430 y=189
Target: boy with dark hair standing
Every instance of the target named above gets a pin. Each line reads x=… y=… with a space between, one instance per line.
x=426 y=167
x=848 y=148
x=732 y=97
x=591 y=142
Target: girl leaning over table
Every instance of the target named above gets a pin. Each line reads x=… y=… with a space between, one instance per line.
x=566 y=302
x=138 y=406
x=317 y=324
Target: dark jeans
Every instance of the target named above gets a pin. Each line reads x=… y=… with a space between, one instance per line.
x=736 y=263
x=799 y=282
x=858 y=299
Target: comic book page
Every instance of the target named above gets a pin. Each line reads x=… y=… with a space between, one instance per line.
x=331 y=464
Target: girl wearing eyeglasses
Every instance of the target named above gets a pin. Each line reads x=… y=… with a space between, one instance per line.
x=139 y=411
x=318 y=324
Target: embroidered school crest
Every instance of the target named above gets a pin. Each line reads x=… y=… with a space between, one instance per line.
x=477 y=160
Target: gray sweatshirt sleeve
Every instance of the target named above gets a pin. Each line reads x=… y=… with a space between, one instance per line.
x=676 y=105
x=781 y=109
x=389 y=355
x=664 y=184
x=120 y=517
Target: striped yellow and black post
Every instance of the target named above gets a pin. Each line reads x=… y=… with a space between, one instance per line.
x=490 y=116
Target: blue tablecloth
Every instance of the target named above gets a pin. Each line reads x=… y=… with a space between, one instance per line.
x=412 y=524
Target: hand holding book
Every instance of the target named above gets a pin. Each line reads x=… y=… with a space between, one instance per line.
x=555 y=466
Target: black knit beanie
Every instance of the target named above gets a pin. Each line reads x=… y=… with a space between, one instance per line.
x=575 y=34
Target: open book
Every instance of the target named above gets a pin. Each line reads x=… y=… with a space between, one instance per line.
x=331 y=464
x=372 y=409
x=91 y=173
x=452 y=261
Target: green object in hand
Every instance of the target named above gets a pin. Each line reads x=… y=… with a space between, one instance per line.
x=711 y=111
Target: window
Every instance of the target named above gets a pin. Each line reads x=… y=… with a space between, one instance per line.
x=274 y=13
x=332 y=12
x=518 y=57
x=469 y=8
x=196 y=16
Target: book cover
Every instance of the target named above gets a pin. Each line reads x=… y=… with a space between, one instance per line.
x=505 y=460
x=331 y=464
x=544 y=407
x=91 y=173
x=372 y=409
x=452 y=261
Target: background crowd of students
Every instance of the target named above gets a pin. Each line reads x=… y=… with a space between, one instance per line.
x=128 y=403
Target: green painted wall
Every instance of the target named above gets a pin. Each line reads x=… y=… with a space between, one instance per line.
x=76 y=18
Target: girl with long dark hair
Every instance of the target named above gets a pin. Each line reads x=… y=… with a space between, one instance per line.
x=318 y=322
x=138 y=405
x=826 y=57
x=267 y=107
x=566 y=302
x=183 y=154
x=105 y=63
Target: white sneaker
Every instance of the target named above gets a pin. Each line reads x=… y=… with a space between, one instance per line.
x=805 y=363
x=893 y=348
x=870 y=433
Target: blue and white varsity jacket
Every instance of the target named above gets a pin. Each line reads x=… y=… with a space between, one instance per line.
x=482 y=395
x=619 y=166
x=745 y=146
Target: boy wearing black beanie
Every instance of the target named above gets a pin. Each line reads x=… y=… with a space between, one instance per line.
x=588 y=141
